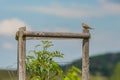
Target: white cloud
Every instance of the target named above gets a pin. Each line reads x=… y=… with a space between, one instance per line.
x=10 y=26
x=7 y=45
x=57 y=10
x=103 y=8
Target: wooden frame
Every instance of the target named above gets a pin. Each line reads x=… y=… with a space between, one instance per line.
x=22 y=35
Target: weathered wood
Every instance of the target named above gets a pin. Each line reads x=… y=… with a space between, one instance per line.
x=85 y=57
x=49 y=38
x=36 y=35
x=21 y=54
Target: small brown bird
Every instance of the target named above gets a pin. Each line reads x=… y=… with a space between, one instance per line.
x=85 y=26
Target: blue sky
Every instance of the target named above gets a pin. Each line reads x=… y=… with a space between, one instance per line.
x=61 y=16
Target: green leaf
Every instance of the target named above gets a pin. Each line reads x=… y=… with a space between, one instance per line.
x=41 y=62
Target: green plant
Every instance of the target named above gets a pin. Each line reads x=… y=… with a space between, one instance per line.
x=41 y=66
x=73 y=74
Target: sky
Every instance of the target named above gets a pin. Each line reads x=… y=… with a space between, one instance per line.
x=60 y=16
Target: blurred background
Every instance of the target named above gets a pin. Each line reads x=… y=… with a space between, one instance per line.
x=64 y=16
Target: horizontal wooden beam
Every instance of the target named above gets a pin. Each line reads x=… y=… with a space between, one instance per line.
x=47 y=35
x=47 y=38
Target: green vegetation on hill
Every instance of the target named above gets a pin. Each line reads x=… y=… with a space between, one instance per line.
x=116 y=72
x=103 y=64
x=102 y=67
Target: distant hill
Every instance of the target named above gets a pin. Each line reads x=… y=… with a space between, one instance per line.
x=103 y=64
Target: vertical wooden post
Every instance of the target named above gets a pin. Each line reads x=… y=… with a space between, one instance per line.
x=21 y=54
x=85 y=57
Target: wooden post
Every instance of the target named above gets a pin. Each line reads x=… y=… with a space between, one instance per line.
x=85 y=57
x=21 y=54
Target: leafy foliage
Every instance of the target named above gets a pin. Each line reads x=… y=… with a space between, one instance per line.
x=41 y=65
x=73 y=74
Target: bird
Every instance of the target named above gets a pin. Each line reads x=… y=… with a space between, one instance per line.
x=85 y=26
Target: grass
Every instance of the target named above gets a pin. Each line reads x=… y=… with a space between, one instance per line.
x=98 y=77
x=8 y=75
x=12 y=75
